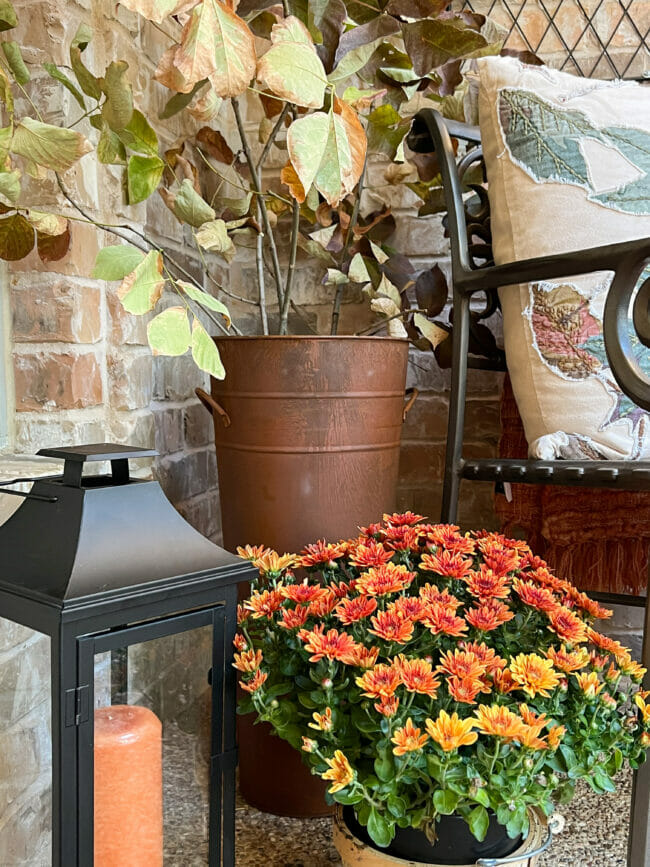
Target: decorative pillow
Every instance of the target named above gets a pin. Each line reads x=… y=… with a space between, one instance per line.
x=568 y=166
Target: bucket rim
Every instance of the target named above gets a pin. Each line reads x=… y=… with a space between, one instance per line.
x=312 y=337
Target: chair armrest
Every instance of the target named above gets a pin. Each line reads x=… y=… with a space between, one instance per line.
x=609 y=258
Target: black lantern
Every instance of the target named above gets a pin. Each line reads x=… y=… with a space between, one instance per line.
x=139 y=613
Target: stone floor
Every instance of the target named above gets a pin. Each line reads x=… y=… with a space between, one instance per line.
x=595 y=835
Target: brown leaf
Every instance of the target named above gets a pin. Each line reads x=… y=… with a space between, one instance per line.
x=525 y=56
x=431 y=291
x=324 y=214
x=356 y=135
x=450 y=77
x=272 y=106
x=169 y=75
x=51 y=248
x=374 y=220
x=289 y=177
x=16 y=238
x=416 y=8
x=215 y=144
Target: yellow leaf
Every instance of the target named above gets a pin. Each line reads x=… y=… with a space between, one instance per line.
x=140 y=290
x=158 y=10
x=291 y=69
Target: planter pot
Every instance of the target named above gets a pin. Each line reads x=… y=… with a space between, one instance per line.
x=452 y=848
x=307 y=434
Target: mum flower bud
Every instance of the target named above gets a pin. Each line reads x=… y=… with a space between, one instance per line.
x=326 y=683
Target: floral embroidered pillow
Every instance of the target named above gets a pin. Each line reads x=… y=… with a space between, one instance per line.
x=568 y=166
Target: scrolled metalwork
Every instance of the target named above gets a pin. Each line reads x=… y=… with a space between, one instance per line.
x=626 y=329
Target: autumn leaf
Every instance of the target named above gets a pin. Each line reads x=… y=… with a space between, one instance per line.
x=47 y=224
x=51 y=248
x=169 y=332
x=433 y=333
x=118 y=108
x=188 y=206
x=158 y=10
x=355 y=134
x=213 y=236
x=205 y=300
x=143 y=174
x=291 y=68
x=16 y=238
x=171 y=77
x=214 y=144
x=52 y=147
x=432 y=43
x=140 y=290
x=116 y=262
x=205 y=352
x=216 y=44
x=289 y=177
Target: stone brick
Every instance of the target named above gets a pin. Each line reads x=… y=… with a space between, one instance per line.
x=24 y=679
x=183 y=476
x=420 y=463
x=56 y=429
x=427 y=418
x=175 y=378
x=425 y=501
x=136 y=429
x=168 y=425
x=57 y=380
x=130 y=384
x=203 y=514
x=25 y=750
x=417 y=235
x=26 y=828
x=13 y=634
x=198 y=425
x=125 y=328
x=56 y=310
x=80 y=258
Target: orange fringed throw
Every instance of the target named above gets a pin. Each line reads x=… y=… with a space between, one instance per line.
x=600 y=539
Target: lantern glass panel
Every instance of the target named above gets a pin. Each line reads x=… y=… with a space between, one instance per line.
x=25 y=746
x=152 y=746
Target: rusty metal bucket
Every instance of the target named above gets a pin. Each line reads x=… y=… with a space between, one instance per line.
x=307 y=434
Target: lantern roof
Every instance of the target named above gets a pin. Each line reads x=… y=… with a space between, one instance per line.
x=76 y=536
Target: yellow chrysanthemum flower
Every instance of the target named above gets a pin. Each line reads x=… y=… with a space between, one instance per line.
x=451 y=732
x=408 y=739
x=534 y=674
x=340 y=772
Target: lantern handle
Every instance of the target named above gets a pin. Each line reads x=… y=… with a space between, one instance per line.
x=25 y=494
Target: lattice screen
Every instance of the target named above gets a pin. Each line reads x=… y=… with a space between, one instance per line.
x=593 y=38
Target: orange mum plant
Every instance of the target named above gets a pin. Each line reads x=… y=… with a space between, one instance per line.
x=425 y=672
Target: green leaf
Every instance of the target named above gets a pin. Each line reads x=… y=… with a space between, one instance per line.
x=141 y=289
x=54 y=72
x=110 y=150
x=114 y=263
x=179 y=101
x=334 y=277
x=52 y=147
x=143 y=175
x=9 y=187
x=380 y=830
x=8 y=19
x=445 y=801
x=16 y=63
x=216 y=44
x=205 y=300
x=86 y=80
x=16 y=238
x=348 y=798
x=386 y=131
x=291 y=69
x=6 y=94
x=205 y=352
x=190 y=207
x=385 y=766
x=601 y=782
x=213 y=236
x=479 y=822
x=321 y=154
x=358 y=272
x=358 y=44
x=169 y=333
x=481 y=797
x=118 y=108
x=138 y=135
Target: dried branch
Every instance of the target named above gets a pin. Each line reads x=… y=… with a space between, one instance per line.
x=338 y=297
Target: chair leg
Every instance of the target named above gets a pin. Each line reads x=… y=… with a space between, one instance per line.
x=638 y=851
x=456 y=422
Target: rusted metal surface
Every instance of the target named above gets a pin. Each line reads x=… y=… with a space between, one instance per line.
x=307 y=433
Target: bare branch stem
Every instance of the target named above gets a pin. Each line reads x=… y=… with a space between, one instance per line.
x=338 y=297
x=259 y=259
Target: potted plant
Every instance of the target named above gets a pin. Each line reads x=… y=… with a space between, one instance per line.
x=447 y=686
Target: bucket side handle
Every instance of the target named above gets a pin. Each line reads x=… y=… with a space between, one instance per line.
x=212 y=406
x=524 y=858
x=412 y=395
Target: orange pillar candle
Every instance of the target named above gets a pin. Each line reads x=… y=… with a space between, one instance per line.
x=128 y=787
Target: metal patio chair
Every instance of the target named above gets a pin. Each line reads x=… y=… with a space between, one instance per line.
x=474 y=272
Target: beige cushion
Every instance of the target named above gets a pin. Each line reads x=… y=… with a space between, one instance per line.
x=568 y=165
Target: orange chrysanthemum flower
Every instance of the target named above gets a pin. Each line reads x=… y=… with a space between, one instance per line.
x=264 y=604
x=252 y=552
x=589 y=683
x=464 y=689
x=322 y=721
x=240 y=642
x=632 y=669
x=387 y=706
x=486 y=585
x=440 y=620
x=532 y=594
x=529 y=738
x=321 y=554
x=304 y=593
x=417 y=676
x=391 y=626
x=534 y=674
x=363 y=657
x=410 y=607
x=568 y=660
x=371 y=531
x=324 y=605
x=352 y=610
x=340 y=772
x=330 y=645
x=462 y=663
x=460 y=545
x=248 y=660
x=294 y=618
x=242 y=614
x=567 y=625
x=487 y=655
x=490 y=615
x=431 y=594
x=499 y=721
x=447 y=564
x=271 y=563
x=379 y=682
x=533 y=720
x=451 y=732
x=408 y=739
x=498 y=559
x=383 y=580
x=555 y=735
x=402 y=538
x=503 y=682
x=370 y=553
x=590 y=606
x=402 y=519
x=604 y=642
x=442 y=535
x=256 y=682
x=308 y=745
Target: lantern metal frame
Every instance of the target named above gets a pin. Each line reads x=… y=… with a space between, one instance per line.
x=55 y=581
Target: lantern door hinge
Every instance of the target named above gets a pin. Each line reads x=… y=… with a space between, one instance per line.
x=77 y=706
